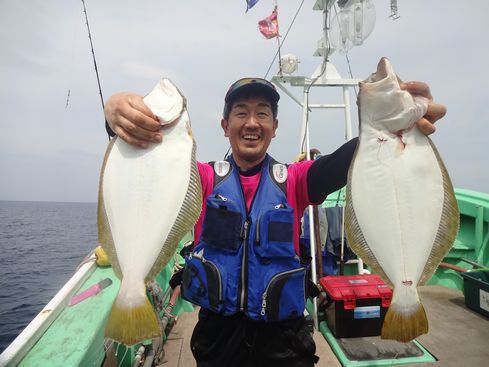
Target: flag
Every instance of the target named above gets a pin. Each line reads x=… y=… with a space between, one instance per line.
x=269 y=26
x=250 y=4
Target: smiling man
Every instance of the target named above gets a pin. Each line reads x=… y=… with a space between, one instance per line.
x=250 y=120
x=245 y=269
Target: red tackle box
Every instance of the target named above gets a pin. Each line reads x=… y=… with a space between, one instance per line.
x=358 y=304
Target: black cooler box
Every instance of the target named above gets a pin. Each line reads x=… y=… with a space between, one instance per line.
x=359 y=304
x=476 y=290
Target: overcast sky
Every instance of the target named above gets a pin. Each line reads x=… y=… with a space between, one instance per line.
x=52 y=146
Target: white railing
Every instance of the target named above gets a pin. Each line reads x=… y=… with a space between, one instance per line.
x=19 y=348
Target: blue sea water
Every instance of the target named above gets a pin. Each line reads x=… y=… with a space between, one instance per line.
x=41 y=245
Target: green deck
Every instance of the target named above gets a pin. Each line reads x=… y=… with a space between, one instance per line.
x=342 y=357
x=76 y=338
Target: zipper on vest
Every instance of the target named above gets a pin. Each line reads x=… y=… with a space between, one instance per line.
x=245 y=235
x=244 y=265
x=270 y=285
x=217 y=276
x=257 y=233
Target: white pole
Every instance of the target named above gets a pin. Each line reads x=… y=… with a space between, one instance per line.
x=348 y=136
x=305 y=138
x=346 y=100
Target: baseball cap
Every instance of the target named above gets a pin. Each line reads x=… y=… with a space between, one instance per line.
x=250 y=85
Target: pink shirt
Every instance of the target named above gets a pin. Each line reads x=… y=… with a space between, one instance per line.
x=297 y=195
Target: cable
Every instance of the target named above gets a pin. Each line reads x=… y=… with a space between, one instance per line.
x=281 y=43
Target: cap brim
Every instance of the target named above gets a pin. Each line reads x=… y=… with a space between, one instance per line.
x=257 y=88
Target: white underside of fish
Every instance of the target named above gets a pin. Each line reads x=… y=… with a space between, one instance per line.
x=397 y=194
x=142 y=201
x=149 y=199
x=401 y=212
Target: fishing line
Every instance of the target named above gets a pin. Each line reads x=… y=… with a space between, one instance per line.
x=107 y=344
x=280 y=44
x=93 y=55
x=350 y=73
x=73 y=51
x=283 y=40
x=68 y=98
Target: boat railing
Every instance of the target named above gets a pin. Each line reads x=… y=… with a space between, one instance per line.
x=21 y=345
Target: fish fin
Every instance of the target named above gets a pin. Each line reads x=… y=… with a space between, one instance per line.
x=104 y=233
x=131 y=325
x=186 y=219
x=354 y=234
x=404 y=326
x=448 y=226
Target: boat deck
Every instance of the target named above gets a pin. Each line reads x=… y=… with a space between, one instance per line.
x=458 y=336
x=178 y=354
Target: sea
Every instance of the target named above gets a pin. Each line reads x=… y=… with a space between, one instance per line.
x=41 y=245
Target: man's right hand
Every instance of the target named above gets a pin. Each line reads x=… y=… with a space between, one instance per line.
x=130 y=118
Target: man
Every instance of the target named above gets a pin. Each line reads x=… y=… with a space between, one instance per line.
x=245 y=271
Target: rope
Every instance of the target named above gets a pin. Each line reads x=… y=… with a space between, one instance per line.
x=123 y=356
x=285 y=37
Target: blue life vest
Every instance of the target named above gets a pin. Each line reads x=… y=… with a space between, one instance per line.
x=245 y=260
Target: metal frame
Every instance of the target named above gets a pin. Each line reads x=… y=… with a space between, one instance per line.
x=307 y=84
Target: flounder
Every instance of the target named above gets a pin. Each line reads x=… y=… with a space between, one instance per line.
x=401 y=213
x=148 y=200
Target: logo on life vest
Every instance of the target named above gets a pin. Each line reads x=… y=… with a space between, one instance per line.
x=222 y=168
x=280 y=172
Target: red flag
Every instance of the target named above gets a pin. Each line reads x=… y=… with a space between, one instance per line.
x=269 y=26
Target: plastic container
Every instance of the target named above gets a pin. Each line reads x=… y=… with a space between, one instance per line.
x=358 y=304
x=476 y=290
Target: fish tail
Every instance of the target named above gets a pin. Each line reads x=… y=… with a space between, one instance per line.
x=404 y=323
x=132 y=324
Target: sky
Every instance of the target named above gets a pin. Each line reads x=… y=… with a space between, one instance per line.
x=52 y=136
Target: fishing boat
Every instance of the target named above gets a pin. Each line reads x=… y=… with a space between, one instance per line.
x=456 y=301
x=69 y=330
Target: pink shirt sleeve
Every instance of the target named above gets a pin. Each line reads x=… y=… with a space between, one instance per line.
x=297 y=194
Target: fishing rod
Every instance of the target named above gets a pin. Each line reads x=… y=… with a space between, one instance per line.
x=93 y=54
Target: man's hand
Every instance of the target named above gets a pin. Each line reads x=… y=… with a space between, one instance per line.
x=435 y=111
x=130 y=118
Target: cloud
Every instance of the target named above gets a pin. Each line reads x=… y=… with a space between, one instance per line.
x=203 y=48
x=141 y=70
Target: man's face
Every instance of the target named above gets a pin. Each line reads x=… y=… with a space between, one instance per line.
x=250 y=129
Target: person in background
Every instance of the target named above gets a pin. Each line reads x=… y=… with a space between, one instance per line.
x=244 y=269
